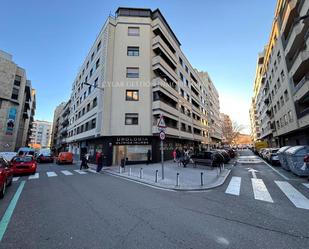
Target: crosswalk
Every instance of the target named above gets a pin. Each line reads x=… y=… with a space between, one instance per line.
x=55 y=174
x=261 y=193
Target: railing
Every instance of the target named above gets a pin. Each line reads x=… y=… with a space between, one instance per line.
x=301 y=83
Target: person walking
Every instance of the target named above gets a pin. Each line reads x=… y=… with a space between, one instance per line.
x=148 y=156
x=174 y=154
x=84 y=163
x=99 y=161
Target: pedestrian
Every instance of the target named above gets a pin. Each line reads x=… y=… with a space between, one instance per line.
x=148 y=156
x=100 y=162
x=84 y=163
x=174 y=154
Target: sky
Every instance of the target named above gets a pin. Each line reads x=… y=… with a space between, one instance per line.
x=50 y=39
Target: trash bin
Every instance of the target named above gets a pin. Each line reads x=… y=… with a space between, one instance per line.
x=295 y=158
x=282 y=157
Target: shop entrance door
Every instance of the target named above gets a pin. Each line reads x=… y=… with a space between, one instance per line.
x=118 y=154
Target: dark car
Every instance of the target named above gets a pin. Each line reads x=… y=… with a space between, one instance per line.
x=225 y=155
x=6 y=176
x=231 y=152
x=45 y=158
x=208 y=158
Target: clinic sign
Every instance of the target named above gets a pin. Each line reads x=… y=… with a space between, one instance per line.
x=10 y=123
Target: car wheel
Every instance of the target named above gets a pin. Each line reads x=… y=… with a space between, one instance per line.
x=2 y=193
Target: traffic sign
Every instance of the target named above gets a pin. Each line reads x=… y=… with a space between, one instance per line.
x=162 y=135
x=161 y=123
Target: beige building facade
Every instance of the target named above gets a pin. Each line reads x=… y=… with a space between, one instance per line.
x=17 y=104
x=41 y=132
x=135 y=72
x=282 y=99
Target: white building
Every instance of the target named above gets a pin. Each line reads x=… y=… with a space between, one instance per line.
x=41 y=134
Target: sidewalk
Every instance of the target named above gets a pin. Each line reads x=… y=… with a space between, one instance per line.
x=189 y=177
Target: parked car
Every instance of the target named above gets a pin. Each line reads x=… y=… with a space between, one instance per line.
x=272 y=156
x=45 y=158
x=23 y=165
x=225 y=155
x=208 y=158
x=264 y=153
x=64 y=157
x=8 y=155
x=6 y=176
x=23 y=151
x=231 y=152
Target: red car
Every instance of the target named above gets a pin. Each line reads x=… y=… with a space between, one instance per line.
x=23 y=165
x=45 y=158
x=6 y=176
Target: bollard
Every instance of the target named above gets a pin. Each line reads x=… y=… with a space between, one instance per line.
x=202 y=180
x=141 y=173
x=129 y=173
x=156 y=178
x=119 y=169
x=223 y=166
x=177 y=179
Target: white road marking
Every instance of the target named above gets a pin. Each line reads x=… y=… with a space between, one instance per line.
x=234 y=186
x=306 y=185
x=15 y=179
x=260 y=191
x=51 y=174
x=298 y=199
x=282 y=175
x=91 y=170
x=35 y=176
x=80 y=171
x=66 y=172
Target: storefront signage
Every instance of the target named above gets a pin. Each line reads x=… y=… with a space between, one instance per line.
x=131 y=141
x=10 y=123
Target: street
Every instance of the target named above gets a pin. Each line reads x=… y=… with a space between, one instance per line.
x=89 y=210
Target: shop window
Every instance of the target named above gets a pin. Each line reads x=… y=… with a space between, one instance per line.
x=132 y=95
x=131 y=119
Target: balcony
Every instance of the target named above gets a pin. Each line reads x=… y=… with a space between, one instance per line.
x=159 y=44
x=158 y=64
x=299 y=64
x=26 y=114
x=301 y=88
x=170 y=87
x=288 y=14
x=294 y=39
x=162 y=32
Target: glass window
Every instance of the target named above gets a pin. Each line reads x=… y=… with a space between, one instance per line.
x=132 y=95
x=88 y=107
x=17 y=80
x=133 y=31
x=133 y=51
x=91 y=71
x=93 y=123
x=15 y=93
x=92 y=56
x=95 y=102
x=286 y=95
x=131 y=118
x=290 y=116
x=99 y=46
x=96 y=82
x=132 y=72
x=97 y=64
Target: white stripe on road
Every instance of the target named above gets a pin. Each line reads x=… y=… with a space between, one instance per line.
x=35 y=176
x=298 y=199
x=282 y=175
x=306 y=185
x=260 y=191
x=80 y=171
x=15 y=179
x=66 y=172
x=91 y=170
x=51 y=174
x=234 y=186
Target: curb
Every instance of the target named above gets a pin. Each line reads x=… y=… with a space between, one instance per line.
x=170 y=188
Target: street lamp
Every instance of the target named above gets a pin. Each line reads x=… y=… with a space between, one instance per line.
x=94 y=86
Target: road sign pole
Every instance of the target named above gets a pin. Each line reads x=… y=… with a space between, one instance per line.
x=162 y=159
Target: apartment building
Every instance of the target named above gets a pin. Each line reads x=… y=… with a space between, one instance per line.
x=213 y=110
x=55 y=144
x=17 y=104
x=134 y=72
x=282 y=97
x=227 y=129
x=40 y=134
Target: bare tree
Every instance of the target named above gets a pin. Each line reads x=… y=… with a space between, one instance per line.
x=236 y=130
x=231 y=130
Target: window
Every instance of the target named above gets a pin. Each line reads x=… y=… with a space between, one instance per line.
x=88 y=107
x=278 y=104
x=17 y=80
x=87 y=64
x=97 y=64
x=93 y=123
x=15 y=93
x=86 y=126
x=131 y=119
x=133 y=31
x=83 y=111
x=96 y=82
x=132 y=72
x=278 y=124
x=285 y=119
x=85 y=95
x=133 y=51
x=99 y=46
x=92 y=56
x=89 y=90
x=275 y=108
x=180 y=61
x=94 y=102
x=132 y=95
x=278 y=83
x=91 y=72
x=281 y=101
x=187 y=70
x=81 y=128
x=290 y=116
x=181 y=76
x=282 y=75
x=286 y=95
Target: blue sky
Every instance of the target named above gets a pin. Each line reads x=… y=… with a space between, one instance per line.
x=50 y=39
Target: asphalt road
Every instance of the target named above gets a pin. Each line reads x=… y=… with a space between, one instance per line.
x=101 y=211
